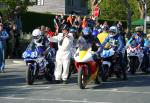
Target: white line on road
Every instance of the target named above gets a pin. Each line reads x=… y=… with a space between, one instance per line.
x=25 y=87
x=114 y=90
x=108 y=90
x=56 y=100
x=18 y=62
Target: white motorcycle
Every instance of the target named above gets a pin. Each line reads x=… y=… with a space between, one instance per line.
x=110 y=64
x=135 y=57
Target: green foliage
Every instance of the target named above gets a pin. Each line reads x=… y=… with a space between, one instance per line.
x=116 y=9
x=113 y=9
x=12 y=4
x=134 y=9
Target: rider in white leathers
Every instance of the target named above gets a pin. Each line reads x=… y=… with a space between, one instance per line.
x=63 y=55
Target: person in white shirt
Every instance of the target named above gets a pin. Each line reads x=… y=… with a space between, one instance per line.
x=63 y=55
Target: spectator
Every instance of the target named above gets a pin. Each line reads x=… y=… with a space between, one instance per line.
x=10 y=40
x=3 y=37
x=70 y=20
x=16 y=33
x=43 y=28
x=84 y=22
x=1 y=16
x=56 y=24
x=50 y=34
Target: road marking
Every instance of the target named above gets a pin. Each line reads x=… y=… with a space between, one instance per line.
x=6 y=78
x=114 y=90
x=64 y=87
x=7 y=65
x=108 y=90
x=25 y=87
x=56 y=100
x=18 y=62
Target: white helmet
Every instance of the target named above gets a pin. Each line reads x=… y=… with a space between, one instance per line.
x=36 y=34
x=113 y=29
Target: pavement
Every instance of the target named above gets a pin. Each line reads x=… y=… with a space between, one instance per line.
x=13 y=89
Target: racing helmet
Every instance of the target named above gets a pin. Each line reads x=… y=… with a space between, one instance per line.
x=95 y=32
x=86 y=31
x=36 y=34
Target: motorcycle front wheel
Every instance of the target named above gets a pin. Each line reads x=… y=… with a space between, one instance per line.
x=104 y=72
x=83 y=76
x=29 y=75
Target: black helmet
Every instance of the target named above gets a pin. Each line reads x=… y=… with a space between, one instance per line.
x=65 y=27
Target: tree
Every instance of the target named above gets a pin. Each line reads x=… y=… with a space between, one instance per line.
x=109 y=10
x=14 y=7
x=129 y=15
x=141 y=8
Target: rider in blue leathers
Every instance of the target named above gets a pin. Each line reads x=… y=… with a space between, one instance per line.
x=115 y=41
x=39 y=40
x=137 y=39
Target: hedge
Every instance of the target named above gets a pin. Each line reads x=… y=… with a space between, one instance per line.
x=31 y=20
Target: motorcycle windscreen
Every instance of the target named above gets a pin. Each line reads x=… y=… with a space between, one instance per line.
x=82 y=54
x=88 y=57
x=107 y=53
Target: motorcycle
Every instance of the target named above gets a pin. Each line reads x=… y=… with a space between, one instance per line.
x=135 y=57
x=37 y=64
x=87 y=67
x=110 y=64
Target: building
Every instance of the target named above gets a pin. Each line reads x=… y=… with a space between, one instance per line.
x=60 y=6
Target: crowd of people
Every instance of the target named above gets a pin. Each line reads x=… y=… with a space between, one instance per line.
x=10 y=38
x=73 y=31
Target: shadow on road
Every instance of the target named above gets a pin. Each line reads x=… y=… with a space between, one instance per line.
x=138 y=80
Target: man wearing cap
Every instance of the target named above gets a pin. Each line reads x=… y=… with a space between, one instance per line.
x=137 y=38
x=3 y=37
x=63 y=55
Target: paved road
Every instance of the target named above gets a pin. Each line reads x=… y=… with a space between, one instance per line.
x=13 y=89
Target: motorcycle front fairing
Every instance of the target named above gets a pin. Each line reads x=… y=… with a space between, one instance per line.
x=106 y=55
x=83 y=58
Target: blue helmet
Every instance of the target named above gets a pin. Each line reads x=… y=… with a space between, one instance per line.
x=73 y=30
x=86 y=31
x=95 y=32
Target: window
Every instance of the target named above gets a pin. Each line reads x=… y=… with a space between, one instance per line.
x=70 y=2
x=40 y=2
x=83 y=3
